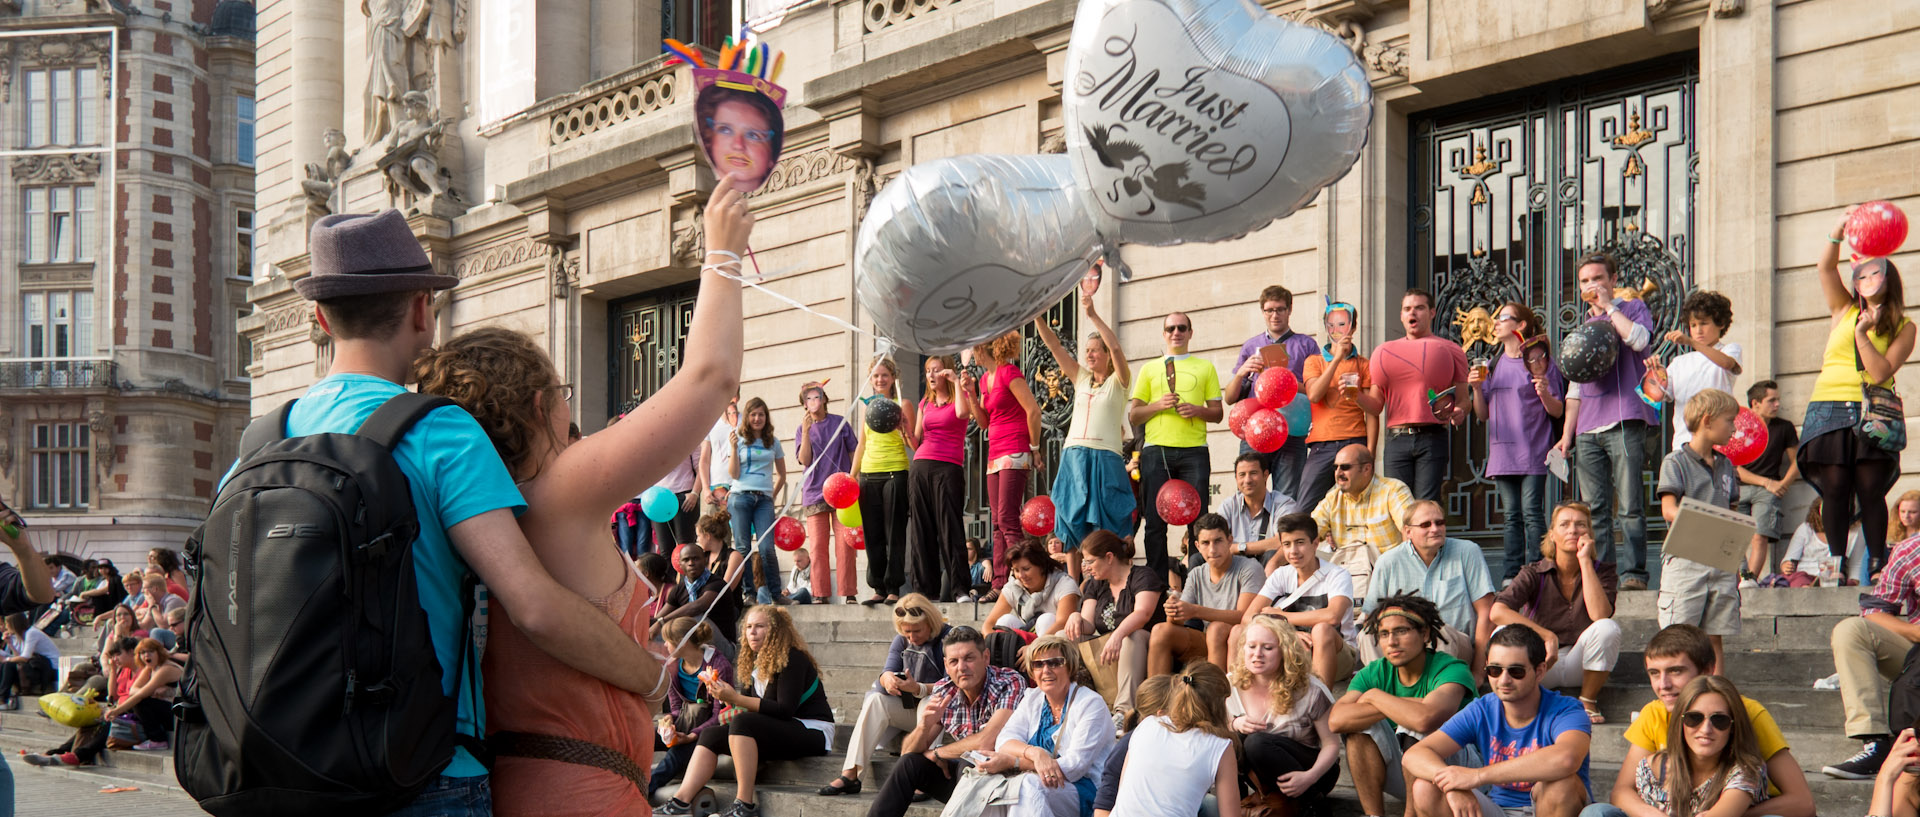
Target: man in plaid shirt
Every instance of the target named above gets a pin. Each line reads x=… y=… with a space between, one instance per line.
x=1869 y=651
x=969 y=706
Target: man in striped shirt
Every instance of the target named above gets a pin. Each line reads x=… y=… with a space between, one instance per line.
x=1865 y=648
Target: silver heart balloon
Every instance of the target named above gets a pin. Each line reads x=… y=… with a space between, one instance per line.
x=956 y=252
x=1203 y=120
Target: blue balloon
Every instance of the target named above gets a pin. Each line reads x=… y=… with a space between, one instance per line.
x=659 y=504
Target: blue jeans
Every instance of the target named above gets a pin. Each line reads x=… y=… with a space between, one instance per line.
x=1523 y=503
x=1284 y=466
x=752 y=518
x=1608 y=465
x=6 y=788
x=451 y=797
x=1603 y=810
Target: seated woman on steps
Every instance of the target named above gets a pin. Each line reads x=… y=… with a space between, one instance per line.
x=1711 y=766
x=779 y=712
x=155 y=685
x=915 y=662
x=1058 y=739
x=690 y=708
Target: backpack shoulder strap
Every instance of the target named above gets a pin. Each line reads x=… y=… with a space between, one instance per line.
x=271 y=428
x=391 y=421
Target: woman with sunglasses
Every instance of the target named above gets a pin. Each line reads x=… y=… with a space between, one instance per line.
x=1091 y=489
x=1518 y=395
x=1339 y=384
x=916 y=660
x=1870 y=340
x=1013 y=441
x=1711 y=766
x=1057 y=739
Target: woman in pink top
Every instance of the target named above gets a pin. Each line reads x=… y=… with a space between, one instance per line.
x=937 y=489
x=1013 y=434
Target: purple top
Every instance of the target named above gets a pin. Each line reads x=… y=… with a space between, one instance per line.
x=832 y=443
x=946 y=433
x=1611 y=399
x=1299 y=348
x=1519 y=430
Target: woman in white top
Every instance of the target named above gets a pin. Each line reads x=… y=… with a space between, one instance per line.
x=1175 y=757
x=1092 y=489
x=1282 y=709
x=1040 y=597
x=1057 y=739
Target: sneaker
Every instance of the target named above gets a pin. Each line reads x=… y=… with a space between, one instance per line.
x=41 y=760
x=1866 y=764
x=1633 y=583
x=1748 y=583
x=71 y=759
x=151 y=746
x=674 y=808
x=10 y=704
x=742 y=808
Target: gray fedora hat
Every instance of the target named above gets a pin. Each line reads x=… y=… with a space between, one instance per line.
x=367 y=255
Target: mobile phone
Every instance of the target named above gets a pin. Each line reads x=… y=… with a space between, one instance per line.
x=10 y=521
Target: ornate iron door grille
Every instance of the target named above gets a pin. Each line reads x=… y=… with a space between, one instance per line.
x=1055 y=394
x=1508 y=194
x=649 y=340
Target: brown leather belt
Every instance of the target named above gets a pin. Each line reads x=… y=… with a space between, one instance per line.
x=567 y=750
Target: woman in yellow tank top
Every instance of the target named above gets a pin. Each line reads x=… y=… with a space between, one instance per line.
x=880 y=464
x=1869 y=342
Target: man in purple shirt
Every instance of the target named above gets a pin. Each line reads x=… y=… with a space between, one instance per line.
x=1607 y=421
x=1276 y=308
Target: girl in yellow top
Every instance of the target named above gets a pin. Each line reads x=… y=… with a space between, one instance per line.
x=1870 y=340
x=880 y=463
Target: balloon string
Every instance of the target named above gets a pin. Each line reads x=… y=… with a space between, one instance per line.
x=753 y=282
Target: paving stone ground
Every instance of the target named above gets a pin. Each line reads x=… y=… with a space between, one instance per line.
x=53 y=793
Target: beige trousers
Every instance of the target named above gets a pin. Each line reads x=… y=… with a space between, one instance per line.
x=880 y=716
x=1867 y=656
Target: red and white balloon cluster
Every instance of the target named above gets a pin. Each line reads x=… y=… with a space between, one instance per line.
x=1258 y=421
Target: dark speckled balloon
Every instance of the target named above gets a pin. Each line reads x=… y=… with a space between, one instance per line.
x=1589 y=352
x=883 y=415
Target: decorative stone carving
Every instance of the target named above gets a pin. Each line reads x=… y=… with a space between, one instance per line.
x=866 y=185
x=1657 y=8
x=100 y=423
x=6 y=441
x=1387 y=59
x=565 y=271
x=10 y=7
x=1729 y=8
x=883 y=14
x=6 y=65
x=67 y=49
x=811 y=166
x=412 y=165
x=285 y=318
x=1380 y=57
x=688 y=241
x=1055 y=142
x=645 y=94
x=403 y=34
x=323 y=177
x=56 y=168
x=501 y=257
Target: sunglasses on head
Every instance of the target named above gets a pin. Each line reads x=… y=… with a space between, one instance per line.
x=1055 y=662
x=1721 y=721
x=1518 y=671
x=906 y=612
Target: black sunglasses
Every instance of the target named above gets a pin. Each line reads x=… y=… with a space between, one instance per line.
x=1721 y=721
x=1180 y=327
x=1518 y=671
x=903 y=612
x=1348 y=466
x=1049 y=663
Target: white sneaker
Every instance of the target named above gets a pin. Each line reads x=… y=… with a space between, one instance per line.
x=1829 y=682
x=1748 y=584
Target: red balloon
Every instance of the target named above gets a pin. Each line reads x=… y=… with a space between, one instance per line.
x=1036 y=518
x=1237 y=415
x=1276 y=387
x=1178 y=502
x=1876 y=229
x=1266 y=431
x=841 y=491
x=1749 y=438
x=676 y=556
x=854 y=538
x=788 y=535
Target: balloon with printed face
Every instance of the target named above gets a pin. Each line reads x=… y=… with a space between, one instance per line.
x=1876 y=229
x=1276 y=387
x=659 y=504
x=1203 y=120
x=787 y=534
x=1266 y=431
x=958 y=251
x=840 y=491
x=1589 y=351
x=1036 y=517
x=1749 y=438
x=1238 y=413
x=1178 y=502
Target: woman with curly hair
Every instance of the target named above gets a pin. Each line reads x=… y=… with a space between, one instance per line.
x=543 y=715
x=785 y=717
x=1013 y=441
x=937 y=490
x=881 y=460
x=1282 y=707
x=1906 y=517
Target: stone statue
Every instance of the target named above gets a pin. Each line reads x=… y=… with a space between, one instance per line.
x=389 y=74
x=322 y=177
x=431 y=24
x=412 y=166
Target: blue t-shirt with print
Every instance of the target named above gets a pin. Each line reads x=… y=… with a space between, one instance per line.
x=756 y=464
x=1483 y=725
x=455 y=474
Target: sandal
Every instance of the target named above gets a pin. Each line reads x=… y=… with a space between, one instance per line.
x=1593 y=710
x=848 y=785
x=875 y=599
x=853 y=600
x=892 y=600
x=991 y=597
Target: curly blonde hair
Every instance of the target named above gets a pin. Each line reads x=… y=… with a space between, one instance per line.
x=783 y=642
x=1296 y=668
x=491 y=372
x=1005 y=348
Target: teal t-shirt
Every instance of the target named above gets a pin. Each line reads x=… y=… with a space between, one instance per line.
x=455 y=475
x=1442 y=669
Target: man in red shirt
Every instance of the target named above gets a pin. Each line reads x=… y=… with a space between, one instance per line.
x=1420 y=378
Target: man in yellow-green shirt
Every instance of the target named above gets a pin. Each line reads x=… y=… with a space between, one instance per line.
x=1675 y=656
x=1175 y=396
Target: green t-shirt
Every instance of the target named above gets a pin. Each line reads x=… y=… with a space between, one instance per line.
x=1442 y=669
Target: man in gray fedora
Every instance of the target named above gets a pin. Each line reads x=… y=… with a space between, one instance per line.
x=372 y=286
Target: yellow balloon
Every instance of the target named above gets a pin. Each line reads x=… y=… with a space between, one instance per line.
x=850 y=515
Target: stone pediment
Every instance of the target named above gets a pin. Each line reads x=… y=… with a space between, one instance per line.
x=56 y=168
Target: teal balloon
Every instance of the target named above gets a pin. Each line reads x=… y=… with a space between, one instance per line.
x=1299 y=414
x=659 y=504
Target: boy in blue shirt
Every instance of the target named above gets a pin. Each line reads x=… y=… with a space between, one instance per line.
x=373 y=285
x=1534 y=740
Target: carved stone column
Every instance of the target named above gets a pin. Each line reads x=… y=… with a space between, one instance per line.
x=1735 y=207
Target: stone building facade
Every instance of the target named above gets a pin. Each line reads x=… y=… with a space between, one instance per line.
x=127 y=182
x=1710 y=142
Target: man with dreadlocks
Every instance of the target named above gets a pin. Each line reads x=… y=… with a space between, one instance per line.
x=1395 y=701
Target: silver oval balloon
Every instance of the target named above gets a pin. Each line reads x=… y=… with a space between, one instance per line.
x=956 y=252
x=1203 y=120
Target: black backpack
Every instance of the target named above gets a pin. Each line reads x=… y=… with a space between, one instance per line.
x=313 y=687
